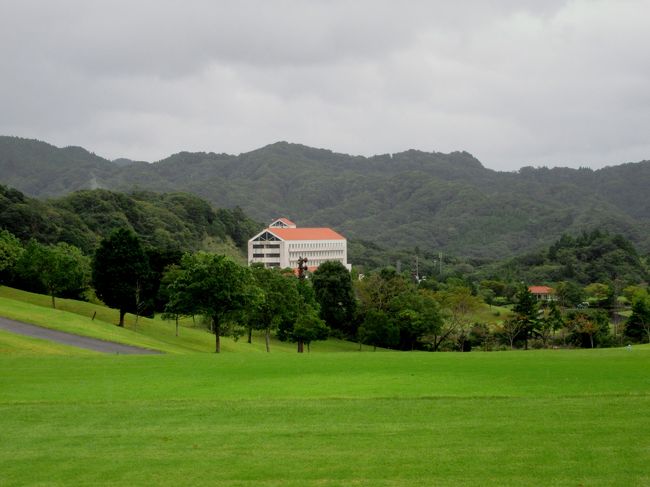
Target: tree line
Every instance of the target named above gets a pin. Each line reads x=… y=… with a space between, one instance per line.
x=384 y=309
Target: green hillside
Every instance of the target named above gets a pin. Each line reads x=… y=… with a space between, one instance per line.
x=77 y=317
x=438 y=202
x=173 y=222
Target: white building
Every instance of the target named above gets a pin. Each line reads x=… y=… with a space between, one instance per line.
x=282 y=244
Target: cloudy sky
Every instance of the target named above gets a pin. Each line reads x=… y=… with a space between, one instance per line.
x=514 y=82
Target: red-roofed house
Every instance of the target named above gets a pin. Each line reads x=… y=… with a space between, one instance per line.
x=542 y=293
x=283 y=243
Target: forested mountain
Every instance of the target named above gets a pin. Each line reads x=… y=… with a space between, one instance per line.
x=173 y=222
x=437 y=202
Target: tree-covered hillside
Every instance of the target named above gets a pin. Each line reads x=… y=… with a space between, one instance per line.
x=437 y=202
x=175 y=222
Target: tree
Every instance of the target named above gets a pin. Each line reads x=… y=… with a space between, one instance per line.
x=308 y=328
x=333 y=289
x=279 y=303
x=550 y=322
x=379 y=330
x=214 y=286
x=459 y=303
x=58 y=269
x=174 y=307
x=526 y=309
x=417 y=314
x=638 y=324
x=119 y=268
x=511 y=328
x=588 y=328
x=569 y=294
x=10 y=252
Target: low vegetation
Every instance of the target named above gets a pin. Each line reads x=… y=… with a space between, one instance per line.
x=537 y=418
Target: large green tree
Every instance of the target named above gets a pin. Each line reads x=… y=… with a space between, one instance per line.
x=59 y=269
x=637 y=326
x=526 y=312
x=214 y=286
x=280 y=301
x=10 y=252
x=333 y=288
x=120 y=271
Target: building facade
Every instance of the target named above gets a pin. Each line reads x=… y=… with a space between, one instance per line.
x=282 y=244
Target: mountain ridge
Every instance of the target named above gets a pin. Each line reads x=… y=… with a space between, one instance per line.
x=436 y=201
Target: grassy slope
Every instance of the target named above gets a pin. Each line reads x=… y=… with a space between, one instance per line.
x=516 y=418
x=75 y=317
x=12 y=344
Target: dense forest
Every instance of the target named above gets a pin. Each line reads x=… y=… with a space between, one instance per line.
x=436 y=202
x=177 y=222
x=147 y=252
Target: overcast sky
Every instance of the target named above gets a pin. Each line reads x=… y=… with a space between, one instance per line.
x=516 y=83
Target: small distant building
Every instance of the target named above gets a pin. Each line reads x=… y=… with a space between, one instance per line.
x=282 y=244
x=542 y=293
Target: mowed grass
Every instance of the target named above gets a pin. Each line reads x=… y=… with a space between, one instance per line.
x=76 y=317
x=513 y=418
x=12 y=344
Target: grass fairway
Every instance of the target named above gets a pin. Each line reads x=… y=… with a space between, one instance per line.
x=514 y=418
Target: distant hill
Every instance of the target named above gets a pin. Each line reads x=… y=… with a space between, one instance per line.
x=435 y=201
x=172 y=223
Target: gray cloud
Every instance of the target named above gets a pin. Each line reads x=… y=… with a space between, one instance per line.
x=514 y=82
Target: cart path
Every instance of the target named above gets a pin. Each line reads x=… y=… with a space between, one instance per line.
x=71 y=339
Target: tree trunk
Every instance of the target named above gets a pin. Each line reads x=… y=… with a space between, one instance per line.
x=250 y=335
x=217 y=332
x=122 y=313
x=176 y=325
x=512 y=341
x=267 y=339
x=53 y=303
x=591 y=339
x=301 y=346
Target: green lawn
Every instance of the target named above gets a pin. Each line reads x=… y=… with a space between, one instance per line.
x=563 y=417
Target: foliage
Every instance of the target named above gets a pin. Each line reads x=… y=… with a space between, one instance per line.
x=10 y=252
x=396 y=313
x=170 y=223
x=590 y=257
x=333 y=290
x=308 y=327
x=526 y=313
x=402 y=199
x=214 y=286
x=279 y=303
x=637 y=326
x=120 y=270
x=588 y=328
x=60 y=270
x=378 y=329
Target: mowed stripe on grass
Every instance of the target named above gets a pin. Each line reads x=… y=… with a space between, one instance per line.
x=535 y=418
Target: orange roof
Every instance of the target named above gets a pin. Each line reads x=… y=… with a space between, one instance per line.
x=286 y=221
x=540 y=289
x=306 y=233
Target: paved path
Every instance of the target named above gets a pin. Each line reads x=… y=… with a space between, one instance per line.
x=70 y=339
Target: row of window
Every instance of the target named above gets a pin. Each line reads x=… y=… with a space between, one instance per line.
x=266 y=246
x=313 y=262
x=317 y=253
x=317 y=245
x=261 y=256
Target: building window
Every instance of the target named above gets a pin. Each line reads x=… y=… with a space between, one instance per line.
x=258 y=256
